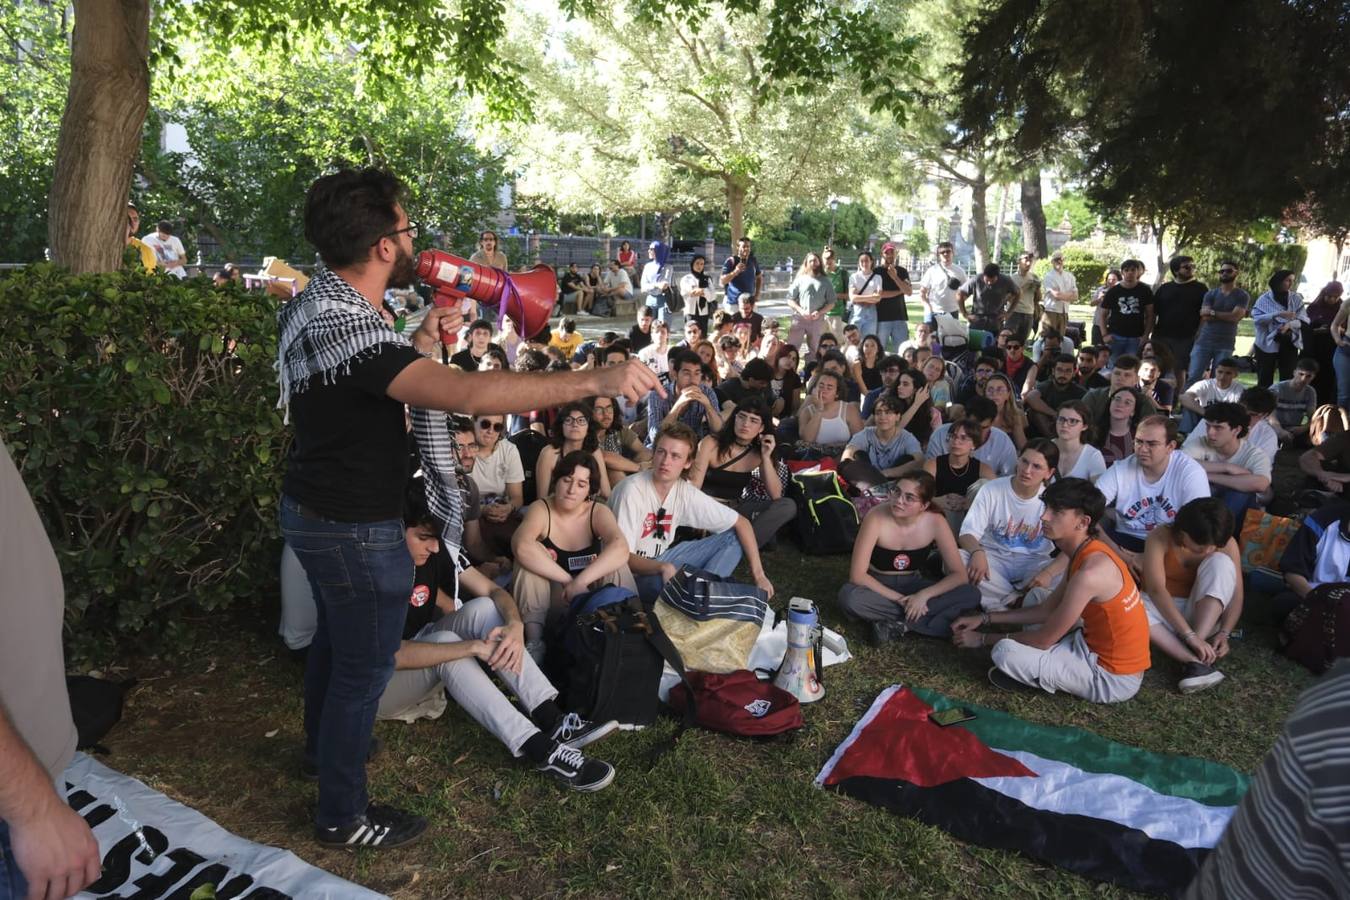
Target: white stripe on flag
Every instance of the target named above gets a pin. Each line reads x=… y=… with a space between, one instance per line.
x=1062 y=788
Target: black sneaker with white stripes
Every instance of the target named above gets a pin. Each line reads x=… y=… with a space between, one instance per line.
x=570 y=767
x=574 y=731
x=382 y=828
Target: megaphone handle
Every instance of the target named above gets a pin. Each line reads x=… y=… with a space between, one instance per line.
x=448 y=298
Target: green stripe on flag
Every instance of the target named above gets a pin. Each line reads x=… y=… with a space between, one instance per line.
x=1182 y=776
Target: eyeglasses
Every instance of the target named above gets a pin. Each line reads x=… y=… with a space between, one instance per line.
x=485 y=425
x=575 y=420
x=1065 y=420
x=412 y=231
x=466 y=448
x=749 y=418
x=905 y=496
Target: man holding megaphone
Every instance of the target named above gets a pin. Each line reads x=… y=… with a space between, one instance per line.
x=346 y=376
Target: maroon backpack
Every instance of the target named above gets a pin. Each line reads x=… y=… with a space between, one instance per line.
x=739 y=703
x=1317 y=632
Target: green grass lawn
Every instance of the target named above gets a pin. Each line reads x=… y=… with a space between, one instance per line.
x=717 y=817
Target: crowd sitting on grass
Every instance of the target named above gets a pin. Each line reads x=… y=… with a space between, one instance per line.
x=1046 y=507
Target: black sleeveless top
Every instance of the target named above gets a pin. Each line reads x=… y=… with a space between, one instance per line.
x=720 y=484
x=572 y=561
x=901 y=562
x=949 y=482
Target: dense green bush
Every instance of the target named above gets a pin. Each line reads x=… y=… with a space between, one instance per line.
x=141 y=411
x=1087 y=265
x=1257 y=261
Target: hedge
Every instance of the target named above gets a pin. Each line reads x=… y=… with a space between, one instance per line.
x=140 y=410
x=1257 y=263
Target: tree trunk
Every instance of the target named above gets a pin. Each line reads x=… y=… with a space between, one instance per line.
x=735 y=207
x=1000 y=219
x=979 y=220
x=1033 y=216
x=100 y=134
x=1159 y=235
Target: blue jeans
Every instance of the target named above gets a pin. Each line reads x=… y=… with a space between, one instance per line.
x=12 y=883
x=361 y=575
x=865 y=317
x=1238 y=502
x=658 y=303
x=1341 y=362
x=1206 y=351
x=888 y=331
x=719 y=554
x=1123 y=345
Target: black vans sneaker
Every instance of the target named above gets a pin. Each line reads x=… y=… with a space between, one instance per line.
x=576 y=732
x=382 y=827
x=571 y=768
x=1197 y=676
x=1002 y=680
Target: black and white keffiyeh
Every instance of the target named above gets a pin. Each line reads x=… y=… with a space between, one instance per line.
x=326 y=328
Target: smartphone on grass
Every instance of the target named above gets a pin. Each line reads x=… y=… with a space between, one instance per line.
x=953 y=716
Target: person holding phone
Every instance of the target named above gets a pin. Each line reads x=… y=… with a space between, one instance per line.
x=736 y=466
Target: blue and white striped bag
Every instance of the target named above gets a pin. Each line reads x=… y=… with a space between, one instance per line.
x=713 y=621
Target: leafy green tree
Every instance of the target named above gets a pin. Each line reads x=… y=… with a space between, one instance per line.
x=669 y=116
x=806 y=46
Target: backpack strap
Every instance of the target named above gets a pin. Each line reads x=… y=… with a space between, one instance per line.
x=650 y=625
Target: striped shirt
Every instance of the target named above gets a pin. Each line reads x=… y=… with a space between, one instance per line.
x=1290 y=837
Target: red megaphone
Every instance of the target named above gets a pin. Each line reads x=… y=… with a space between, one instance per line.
x=526 y=298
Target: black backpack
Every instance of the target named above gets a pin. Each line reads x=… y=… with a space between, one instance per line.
x=826 y=521
x=607 y=656
x=529 y=444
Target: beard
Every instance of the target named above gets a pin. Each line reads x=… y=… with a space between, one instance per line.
x=1227 y=279
x=404 y=271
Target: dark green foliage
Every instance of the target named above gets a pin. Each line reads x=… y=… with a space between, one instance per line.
x=1257 y=261
x=1088 y=268
x=141 y=411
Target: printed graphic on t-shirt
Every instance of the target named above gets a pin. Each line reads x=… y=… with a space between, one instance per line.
x=421 y=595
x=1017 y=534
x=901 y=562
x=1150 y=512
x=651 y=524
x=1128 y=306
x=579 y=563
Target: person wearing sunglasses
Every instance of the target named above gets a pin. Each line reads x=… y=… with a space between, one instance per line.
x=1221 y=309
x=652 y=504
x=347 y=380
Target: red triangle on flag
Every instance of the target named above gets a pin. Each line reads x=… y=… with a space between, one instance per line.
x=900 y=742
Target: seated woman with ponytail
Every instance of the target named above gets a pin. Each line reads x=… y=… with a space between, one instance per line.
x=906 y=573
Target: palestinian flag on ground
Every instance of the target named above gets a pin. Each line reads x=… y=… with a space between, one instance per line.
x=1062 y=795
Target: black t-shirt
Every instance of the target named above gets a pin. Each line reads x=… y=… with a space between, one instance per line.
x=437 y=573
x=466 y=360
x=892 y=309
x=1053 y=395
x=734 y=389
x=349 y=460
x=1125 y=309
x=571 y=282
x=756 y=322
x=1176 y=308
x=638 y=339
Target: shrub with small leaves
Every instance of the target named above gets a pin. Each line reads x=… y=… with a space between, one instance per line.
x=141 y=412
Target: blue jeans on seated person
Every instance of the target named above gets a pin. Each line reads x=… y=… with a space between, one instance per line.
x=1123 y=345
x=1124 y=541
x=13 y=886
x=361 y=573
x=1236 y=501
x=719 y=554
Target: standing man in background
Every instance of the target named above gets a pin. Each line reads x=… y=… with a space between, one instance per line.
x=1176 y=310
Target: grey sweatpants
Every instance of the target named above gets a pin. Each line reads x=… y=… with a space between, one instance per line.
x=860 y=602
x=468 y=682
x=1069 y=665
x=767 y=516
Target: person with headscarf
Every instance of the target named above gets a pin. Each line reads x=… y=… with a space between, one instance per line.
x=655 y=283
x=1278 y=317
x=698 y=291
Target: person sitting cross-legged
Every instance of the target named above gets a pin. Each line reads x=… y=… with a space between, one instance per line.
x=890 y=584
x=442 y=649
x=737 y=467
x=1238 y=471
x=1103 y=661
x=882 y=451
x=1001 y=540
x=548 y=575
x=687 y=401
x=1193 y=589
x=651 y=505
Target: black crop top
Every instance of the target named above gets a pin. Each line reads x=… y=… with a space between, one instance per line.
x=572 y=561
x=901 y=562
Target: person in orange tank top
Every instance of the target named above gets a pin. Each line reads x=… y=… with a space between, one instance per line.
x=1105 y=660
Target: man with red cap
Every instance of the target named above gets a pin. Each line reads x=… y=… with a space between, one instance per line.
x=892 y=316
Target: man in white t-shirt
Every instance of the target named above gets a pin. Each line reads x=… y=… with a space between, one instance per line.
x=936 y=288
x=1001 y=539
x=1222 y=388
x=1059 y=289
x=656 y=354
x=1260 y=404
x=996 y=450
x=651 y=505
x=1147 y=489
x=1238 y=471
x=168 y=249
